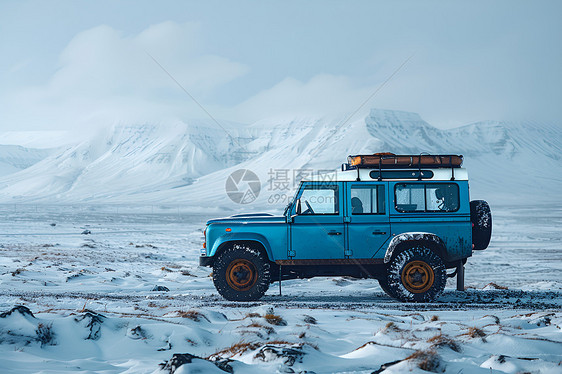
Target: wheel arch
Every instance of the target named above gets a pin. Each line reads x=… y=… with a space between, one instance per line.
x=255 y=240
x=406 y=240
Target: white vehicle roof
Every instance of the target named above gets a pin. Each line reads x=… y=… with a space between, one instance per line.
x=441 y=174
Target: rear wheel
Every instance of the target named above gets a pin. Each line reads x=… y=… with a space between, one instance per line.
x=241 y=273
x=416 y=274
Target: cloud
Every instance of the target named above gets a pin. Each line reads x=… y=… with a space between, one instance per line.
x=471 y=63
x=105 y=75
x=323 y=94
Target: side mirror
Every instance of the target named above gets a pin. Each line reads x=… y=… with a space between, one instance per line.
x=297 y=211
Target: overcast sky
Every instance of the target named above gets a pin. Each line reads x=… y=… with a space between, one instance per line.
x=72 y=64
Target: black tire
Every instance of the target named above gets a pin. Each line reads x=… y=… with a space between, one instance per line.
x=383 y=283
x=417 y=274
x=481 y=218
x=241 y=273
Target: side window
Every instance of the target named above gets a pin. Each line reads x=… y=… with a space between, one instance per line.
x=410 y=197
x=320 y=200
x=427 y=197
x=367 y=200
x=442 y=197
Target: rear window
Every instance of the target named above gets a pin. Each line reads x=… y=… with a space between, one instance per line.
x=426 y=197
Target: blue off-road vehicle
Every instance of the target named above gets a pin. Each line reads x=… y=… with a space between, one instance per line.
x=401 y=219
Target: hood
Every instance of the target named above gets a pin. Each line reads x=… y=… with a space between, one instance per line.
x=248 y=218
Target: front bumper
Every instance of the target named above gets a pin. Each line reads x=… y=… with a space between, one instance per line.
x=205 y=261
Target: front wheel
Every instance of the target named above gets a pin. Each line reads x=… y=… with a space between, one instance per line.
x=416 y=274
x=241 y=273
x=383 y=283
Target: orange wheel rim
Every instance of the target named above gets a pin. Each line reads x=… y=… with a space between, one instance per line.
x=241 y=275
x=417 y=276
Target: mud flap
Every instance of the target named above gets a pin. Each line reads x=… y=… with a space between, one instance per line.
x=460 y=276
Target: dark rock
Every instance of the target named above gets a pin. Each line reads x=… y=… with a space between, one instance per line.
x=94 y=321
x=386 y=366
x=224 y=365
x=53 y=224
x=288 y=355
x=161 y=288
x=310 y=320
x=166 y=348
x=137 y=333
x=23 y=310
x=179 y=359
x=45 y=334
x=86 y=232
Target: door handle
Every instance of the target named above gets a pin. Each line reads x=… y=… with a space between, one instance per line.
x=379 y=232
x=334 y=233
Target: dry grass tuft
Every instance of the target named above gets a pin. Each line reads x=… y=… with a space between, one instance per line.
x=274 y=319
x=236 y=349
x=496 y=286
x=293 y=345
x=253 y=315
x=391 y=327
x=193 y=315
x=268 y=329
x=281 y=342
x=434 y=318
x=426 y=360
x=475 y=332
x=441 y=340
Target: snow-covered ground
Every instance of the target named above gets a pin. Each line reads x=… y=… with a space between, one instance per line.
x=90 y=282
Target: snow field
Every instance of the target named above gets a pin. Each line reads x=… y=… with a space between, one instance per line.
x=94 y=308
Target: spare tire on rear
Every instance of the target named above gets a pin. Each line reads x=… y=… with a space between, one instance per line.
x=481 y=218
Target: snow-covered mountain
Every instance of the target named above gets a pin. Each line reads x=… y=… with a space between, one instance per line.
x=188 y=163
x=14 y=158
x=38 y=139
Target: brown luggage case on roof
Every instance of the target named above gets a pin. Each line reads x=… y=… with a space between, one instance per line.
x=392 y=161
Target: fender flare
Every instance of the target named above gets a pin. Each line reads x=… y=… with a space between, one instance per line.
x=241 y=236
x=435 y=242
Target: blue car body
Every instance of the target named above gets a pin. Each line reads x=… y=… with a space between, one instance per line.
x=371 y=236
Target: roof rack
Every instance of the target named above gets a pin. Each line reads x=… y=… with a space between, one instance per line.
x=392 y=161
x=380 y=161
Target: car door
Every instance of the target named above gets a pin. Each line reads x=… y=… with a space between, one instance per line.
x=318 y=232
x=367 y=217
